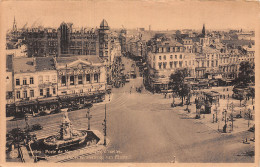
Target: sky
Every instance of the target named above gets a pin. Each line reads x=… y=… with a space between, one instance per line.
x=161 y=15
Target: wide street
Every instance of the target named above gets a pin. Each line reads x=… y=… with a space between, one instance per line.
x=142 y=127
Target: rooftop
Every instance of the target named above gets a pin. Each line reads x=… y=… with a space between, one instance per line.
x=23 y=65
x=44 y=63
x=65 y=59
x=104 y=24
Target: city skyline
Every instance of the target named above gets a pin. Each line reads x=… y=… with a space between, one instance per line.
x=183 y=15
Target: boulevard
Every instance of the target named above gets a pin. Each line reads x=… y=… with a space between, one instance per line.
x=142 y=127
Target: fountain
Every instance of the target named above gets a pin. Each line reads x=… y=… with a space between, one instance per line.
x=67 y=136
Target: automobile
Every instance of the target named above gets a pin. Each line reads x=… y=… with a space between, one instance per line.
x=252 y=129
x=238 y=116
x=73 y=107
x=252 y=139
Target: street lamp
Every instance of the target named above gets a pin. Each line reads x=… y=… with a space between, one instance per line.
x=225 y=126
x=105 y=127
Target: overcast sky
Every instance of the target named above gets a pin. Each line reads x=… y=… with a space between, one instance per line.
x=160 y=15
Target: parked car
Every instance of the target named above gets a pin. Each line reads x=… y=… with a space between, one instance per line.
x=252 y=129
x=238 y=116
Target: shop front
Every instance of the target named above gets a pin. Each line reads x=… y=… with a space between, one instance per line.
x=23 y=107
x=48 y=105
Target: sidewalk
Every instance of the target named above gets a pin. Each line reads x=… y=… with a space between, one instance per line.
x=239 y=124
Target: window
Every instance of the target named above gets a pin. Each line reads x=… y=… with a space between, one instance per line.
x=164 y=65
x=25 y=94
x=80 y=79
x=31 y=93
x=180 y=56
x=48 y=92
x=186 y=63
x=175 y=64
x=96 y=78
x=192 y=62
x=31 y=80
x=153 y=57
x=88 y=78
x=171 y=64
x=180 y=63
x=81 y=90
x=189 y=62
x=41 y=92
x=208 y=63
x=160 y=65
x=216 y=63
x=160 y=57
x=175 y=56
x=24 y=81
x=171 y=56
x=212 y=63
x=63 y=81
x=54 y=91
x=18 y=95
x=17 y=81
x=71 y=80
x=164 y=57
x=40 y=79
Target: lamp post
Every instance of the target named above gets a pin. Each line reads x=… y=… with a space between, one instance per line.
x=232 y=117
x=225 y=126
x=105 y=127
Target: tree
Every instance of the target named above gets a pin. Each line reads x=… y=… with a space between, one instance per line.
x=246 y=73
x=178 y=85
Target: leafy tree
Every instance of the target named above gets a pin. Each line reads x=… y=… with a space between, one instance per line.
x=246 y=73
x=178 y=85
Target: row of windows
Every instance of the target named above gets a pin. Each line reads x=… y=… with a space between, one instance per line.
x=80 y=79
x=170 y=49
x=171 y=57
x=47 y=79
x=164 y=64
x=25 y=94
x=24 y=81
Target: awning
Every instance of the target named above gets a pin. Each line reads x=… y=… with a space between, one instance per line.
x=24 y=103
x=48 y=100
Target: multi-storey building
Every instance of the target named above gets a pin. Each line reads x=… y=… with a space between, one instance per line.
x=81 y=77
x=163 y=59
x=77 y=41
x=34 y=79
x=104 y=40
x=42 y=83
x=41 y=42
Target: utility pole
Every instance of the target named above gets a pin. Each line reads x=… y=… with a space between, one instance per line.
x=89 y=117
x=105 y=127
x=232 y=117
x=249 y=116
